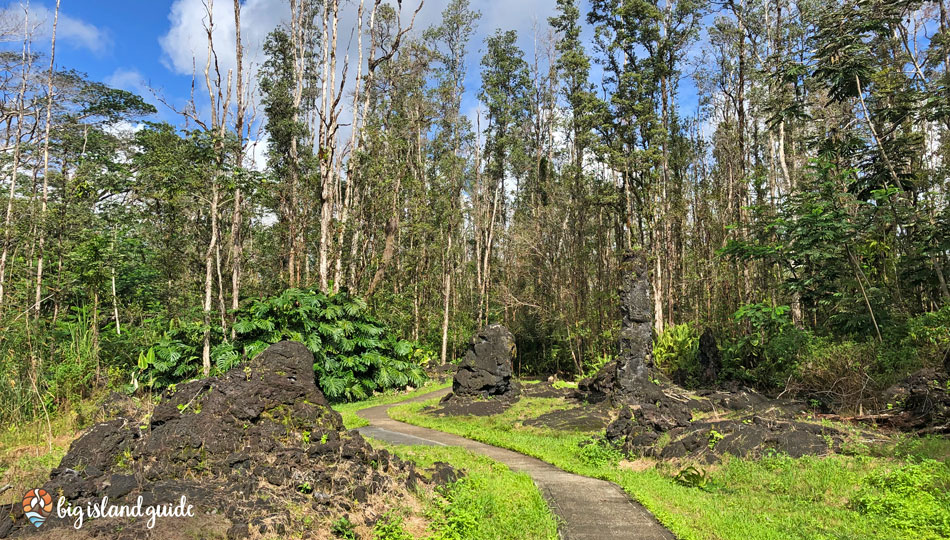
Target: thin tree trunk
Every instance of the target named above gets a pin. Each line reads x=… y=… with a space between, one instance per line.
x=328 y=120
x=49 y=117
x=447 y=294
x=209 y=281
x=7 y=223
x=858 y=273
x=115 y=297
x=237 y=221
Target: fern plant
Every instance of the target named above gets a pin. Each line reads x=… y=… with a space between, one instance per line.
x=674 y=353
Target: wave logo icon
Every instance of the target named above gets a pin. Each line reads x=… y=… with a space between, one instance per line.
x=37 y=505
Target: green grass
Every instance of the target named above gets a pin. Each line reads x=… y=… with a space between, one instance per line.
x=490 y=502
x=774 y=498
x=348 y=410
x=29 y=451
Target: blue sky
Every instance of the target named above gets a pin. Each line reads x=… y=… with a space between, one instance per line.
x=112 y=41
x=141 y=44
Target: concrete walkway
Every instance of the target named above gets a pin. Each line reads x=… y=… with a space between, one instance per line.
x=589 y=509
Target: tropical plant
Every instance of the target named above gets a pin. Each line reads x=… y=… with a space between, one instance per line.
x=675 y=350
x=767 y=353
x=354 y=354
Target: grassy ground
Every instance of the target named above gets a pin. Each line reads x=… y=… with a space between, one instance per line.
x=491 y=502
x=895 y=493
x=348 y=410
x=28 y=452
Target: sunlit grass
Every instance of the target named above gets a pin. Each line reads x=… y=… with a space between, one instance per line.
x=491 y=501
x=774 y=498
x=28 y=452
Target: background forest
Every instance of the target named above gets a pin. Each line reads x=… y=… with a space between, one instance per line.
x=800 y=210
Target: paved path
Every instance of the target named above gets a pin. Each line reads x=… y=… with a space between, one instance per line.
x=589 y=509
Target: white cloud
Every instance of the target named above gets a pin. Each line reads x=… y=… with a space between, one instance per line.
x=257 y=152
x=186 y=44
x=124 y=128
x=130 y=80
x=69 y=30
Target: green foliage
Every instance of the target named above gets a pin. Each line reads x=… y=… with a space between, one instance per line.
x=456 y=519
x=693 y=478
x=175 y=356
x=914 y=497
x=836 y=371
x=770 y=348
x=597 y=452
x=714 y=438
x=675 y=352
x=389 y=527
x=71 y=376
x=489 y=502
x=354 y=354
x=774 y=497
x=929 y=334
x=343 y=528
x=592 y=366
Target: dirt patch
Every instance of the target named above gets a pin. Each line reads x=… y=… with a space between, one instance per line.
x=922 y=401
x=258 y=448
x=545 y=389
x=452 y=405
x=637 y=465
x=585 y=419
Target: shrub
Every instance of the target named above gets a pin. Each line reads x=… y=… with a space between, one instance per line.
x=914 y=497
x=343 y=528
x=591 y=367
x=929 y=333
x=599 y=453
x=175 y=356
x=837 y=371
x=675 y=353
x=354 y=354
x=70 y=376
x=768 y=354
x=389 y=527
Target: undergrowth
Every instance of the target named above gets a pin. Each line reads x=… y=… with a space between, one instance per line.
x=775 y=498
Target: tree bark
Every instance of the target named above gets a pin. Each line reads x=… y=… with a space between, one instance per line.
x=8 y=220
x=237 y=220
x=46 y=135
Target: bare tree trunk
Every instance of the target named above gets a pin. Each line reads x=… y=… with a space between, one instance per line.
x=389 y=247
x=209 y=280
x=237 y=221
x=115 y=297
x=95 y=332
x=218 y=126
x=7 y=223
x=45 y=199
x=858 y=273
x=447 y=294
x=327 y=149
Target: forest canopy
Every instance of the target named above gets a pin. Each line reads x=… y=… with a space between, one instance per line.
x=800 y=210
